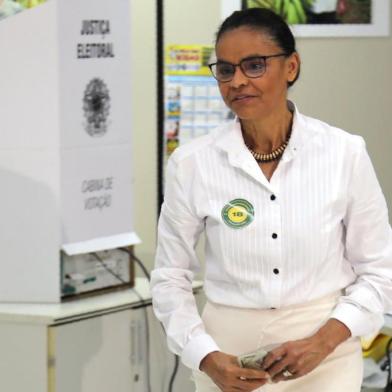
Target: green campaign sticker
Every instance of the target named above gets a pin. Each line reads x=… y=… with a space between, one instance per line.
x=238 y=213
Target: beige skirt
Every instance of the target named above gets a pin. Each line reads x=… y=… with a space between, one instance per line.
x=238 y=331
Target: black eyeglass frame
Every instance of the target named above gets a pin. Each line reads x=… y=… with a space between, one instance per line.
x=264 y=58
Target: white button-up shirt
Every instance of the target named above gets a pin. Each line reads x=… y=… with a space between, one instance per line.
x=319 y=225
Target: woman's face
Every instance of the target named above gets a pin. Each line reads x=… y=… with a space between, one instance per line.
x=255 y=98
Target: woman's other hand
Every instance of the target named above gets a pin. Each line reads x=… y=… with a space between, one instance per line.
x=224 y=370
x=296 y=358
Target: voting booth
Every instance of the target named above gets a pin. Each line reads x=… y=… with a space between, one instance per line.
x=65 y=141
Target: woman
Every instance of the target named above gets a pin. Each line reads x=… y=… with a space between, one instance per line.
x=298 y=245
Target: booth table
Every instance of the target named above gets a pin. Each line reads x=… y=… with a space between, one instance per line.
x=96 y=344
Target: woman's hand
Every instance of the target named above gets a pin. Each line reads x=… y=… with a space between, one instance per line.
x=224 y=370
x=297 y=358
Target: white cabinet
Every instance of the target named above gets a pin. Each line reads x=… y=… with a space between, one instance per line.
x=23 y=357
x=92 y=354
x=94 y=345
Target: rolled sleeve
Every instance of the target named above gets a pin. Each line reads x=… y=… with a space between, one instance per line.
x=196 y=349
x=368 y=250
x=359 y=321
x=176 y=263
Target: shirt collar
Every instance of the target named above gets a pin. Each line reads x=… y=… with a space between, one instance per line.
x=298 y=131
x=232 y=141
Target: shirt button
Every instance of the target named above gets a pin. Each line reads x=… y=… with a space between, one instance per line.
x=273 y=197
x=274 y=236
x=276 y=271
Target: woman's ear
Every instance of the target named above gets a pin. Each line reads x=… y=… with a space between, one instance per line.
x=293 y=67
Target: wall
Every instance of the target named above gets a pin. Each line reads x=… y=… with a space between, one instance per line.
x=345 y=82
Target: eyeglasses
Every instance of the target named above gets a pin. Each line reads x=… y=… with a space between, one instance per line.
x=252 y=67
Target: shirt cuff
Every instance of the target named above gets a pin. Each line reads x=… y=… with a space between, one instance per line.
x=359 y=322
x=197 y=348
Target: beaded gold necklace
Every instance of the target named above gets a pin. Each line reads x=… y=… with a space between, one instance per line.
x=273 y=155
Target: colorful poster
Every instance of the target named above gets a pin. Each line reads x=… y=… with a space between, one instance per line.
x=318 y=11
x=193 y=104
x=325 y=18
x=188 y=59
x=194 y=107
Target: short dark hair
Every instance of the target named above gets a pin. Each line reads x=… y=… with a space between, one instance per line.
x=263 y=20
